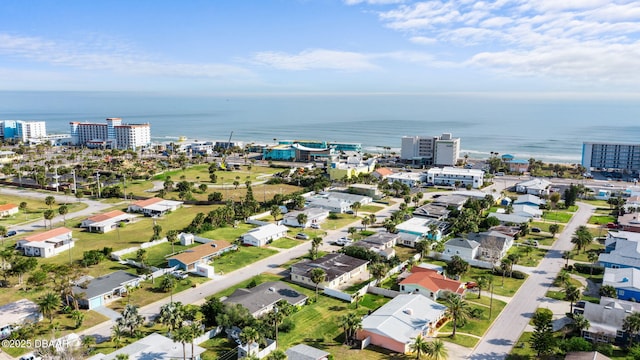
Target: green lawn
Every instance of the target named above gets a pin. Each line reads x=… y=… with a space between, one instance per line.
x=530 y=259
x=557 y=216
x=228 y=233
x=370 y=208
x=148 y=292
x=157 y=255
x=508 y=287
x=341 y=221
x=238 y=259
x=601 y=219
x=285 y=243
x=544 y=226
x=460 y=339
x=583 y=255
x=477 y=326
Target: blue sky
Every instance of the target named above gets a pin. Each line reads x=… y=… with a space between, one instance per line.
x=322 y=46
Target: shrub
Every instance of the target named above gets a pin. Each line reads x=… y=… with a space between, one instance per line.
x=518 y=275
x=587 y=268
x=333 y=216
x=605 y=349
x=286 y=326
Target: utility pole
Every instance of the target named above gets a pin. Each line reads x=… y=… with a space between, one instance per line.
x=75 y=187
x=98 y=182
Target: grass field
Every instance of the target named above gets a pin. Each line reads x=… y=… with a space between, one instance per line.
x=35 y=209
x=148 y=292
x=531 y=258
x=559 y=216
x=285 y=243
x=601 y=219
x=238 y=259
x=480 y=325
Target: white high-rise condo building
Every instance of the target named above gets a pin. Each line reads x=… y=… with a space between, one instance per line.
x=443 y=150
x=611 y=156
x=114 y=134
x=25 y=131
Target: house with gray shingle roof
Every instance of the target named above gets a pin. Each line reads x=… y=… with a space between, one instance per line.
x=104 y=289
x=340 y=269
x=464 y=248
x=262 y=298
x=626 y=281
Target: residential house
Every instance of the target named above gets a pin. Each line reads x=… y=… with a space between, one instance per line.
x=411 y=179
x=632 y=204
x=96 y=292
x=46 y=244
x=493 y=244
x=417 y=228
x=315 y=215
x=433 y=210
x=154 y=206
x=381 y=243
x=352 y=167
x=191 y=258
x=527 y=211
x=382 y=173
x=333 y=205
x=430 y=283
x=585 y=355
x=350 y=198
x=106 y=222
x=614 y=236
x=625 y=254
x=154 y=346
x=530 y=200
x=626 y=281
x=534 y=186
x=339 y=268
x=8 y=210
x=629 y=222
x=396 y=324
x=606 y=319
x=306 y=352
x=452 y=201
x=261 y=299
x=510 y=218
x=507 y=230
x=264 y=234
x=464 y=248
x=451 y=176
x=14 y=315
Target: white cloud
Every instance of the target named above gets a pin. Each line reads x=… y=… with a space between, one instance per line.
x=373 y=2
x=594 y=40
x=423 y=40
x=316 y=59
x=105 y=56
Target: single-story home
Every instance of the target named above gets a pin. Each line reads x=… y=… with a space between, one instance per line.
x=369 y=190
x=585 y=355
x=46 y=244
x=339 y=269
x=154 y=206
x=96 y=292
x=381 y=243
x=433 y=210
x=17 y=313
x=622 y=254
x=106 y=222
x=189 y=259
x=493 y=244
x=411 y=179
x=333 y=205
x=526 y=211
x=534 y=186
x=8 y=210
x=382 y=173
x=606 y=319
x=614 y=236
x=264 y=234
x=629 y=222
x=626 y=281
x=430 y=283
x=395 y=324
x=419 y=227
x=315 y=215
x=261 y=299
x=306 y=352
x=154 y=346
x=529 y=199
x=509 y=218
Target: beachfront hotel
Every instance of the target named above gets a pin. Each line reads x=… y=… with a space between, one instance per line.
x=113 y=134
x=24 y=131
x=611 y=156
x=443 y=150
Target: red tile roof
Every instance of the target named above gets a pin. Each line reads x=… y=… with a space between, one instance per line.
x=147 y=202
x=384 y=171
x=6 y=207
x=106 y=216
x=48 y=234
x=433 y=281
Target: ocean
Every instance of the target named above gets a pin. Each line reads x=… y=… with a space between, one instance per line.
x=549 y=128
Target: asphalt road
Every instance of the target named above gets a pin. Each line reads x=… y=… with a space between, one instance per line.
x=507 y=328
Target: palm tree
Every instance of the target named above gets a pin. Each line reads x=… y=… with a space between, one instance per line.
x=419 y=346
x=580 y=323
x=355 y=207
x=351 y=323
x=249 y=336
x=48 y=215
x=457 y=310
x=378 y=270
x=437 y=350
x=352 y=230
x=582 y=237
x=116 y=335
x=50 y=200
x=631 y=325
x=372 y=219
x=317 y=276
x=130 y=319
x=423 y=247
x=172 y=315
x=316 y=241
x=277 y=354
x=48 y=304
x=302 y=219
x=357 y=297
x=365 y=221
x=63 y=210
x=183 y=336
x=275 y=212
x=572 y=294
x=482 y=282
x=196 y=329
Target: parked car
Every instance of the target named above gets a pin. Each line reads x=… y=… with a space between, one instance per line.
x=11 y=233
x=535 y=229
x=471 y=285
x=350 y=212
x=343 y=241
x=612 y=225
x=531 y=243
x=302 y=236
x=315 y=226
x=178 y=274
